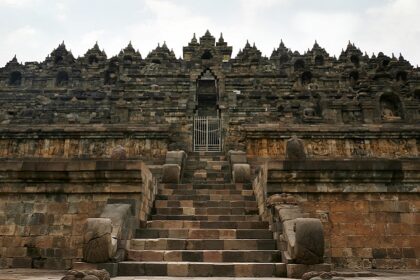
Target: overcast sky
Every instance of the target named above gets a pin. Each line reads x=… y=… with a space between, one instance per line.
x=31 y=29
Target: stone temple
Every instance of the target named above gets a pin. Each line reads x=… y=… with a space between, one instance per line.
x=209 y=165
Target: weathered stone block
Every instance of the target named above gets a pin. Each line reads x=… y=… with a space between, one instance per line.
x=241 y=173
x=171 y=173
x=119 y=214
x=176 y=157
x=309 y=245
x=237 y=157
x=119 y=153
x=98 y=243
x=297 y=270
x=295 y=149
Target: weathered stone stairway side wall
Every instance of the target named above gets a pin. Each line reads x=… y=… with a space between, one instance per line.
x=44 y=206
x=370 y=209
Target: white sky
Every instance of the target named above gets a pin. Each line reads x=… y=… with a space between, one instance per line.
x=31 y=29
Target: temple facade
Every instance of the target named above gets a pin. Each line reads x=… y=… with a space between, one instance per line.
x=356 y=116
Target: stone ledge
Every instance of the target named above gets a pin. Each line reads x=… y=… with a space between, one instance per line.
x=328 y=176
x=72 y=176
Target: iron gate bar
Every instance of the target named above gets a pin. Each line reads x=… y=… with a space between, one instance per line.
x=207 y=136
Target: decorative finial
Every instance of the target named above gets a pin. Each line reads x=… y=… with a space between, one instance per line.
x=221 y=40
x=281 y=45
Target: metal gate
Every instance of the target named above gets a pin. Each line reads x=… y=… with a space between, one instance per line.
x=207 y=135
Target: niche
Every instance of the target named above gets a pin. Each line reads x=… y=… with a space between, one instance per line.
x=355 y=60
x=110 y=77
x=58 y=59
x=284 y=58
x=62 y=79
x=128 y=59
x=390 y=106
x=15 y=78
x=299 y=65
x=319 y=60
x=401 y=76
x=354 y=76
x=207 y=55
x=306 y=78
x=93 y=59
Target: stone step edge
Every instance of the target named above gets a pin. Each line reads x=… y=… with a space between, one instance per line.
x=207 y=222
x=205 y=269
x=202 y=251
x=200 y=239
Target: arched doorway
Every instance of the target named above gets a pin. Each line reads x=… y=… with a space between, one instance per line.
x=207 y=136
x=207 y=94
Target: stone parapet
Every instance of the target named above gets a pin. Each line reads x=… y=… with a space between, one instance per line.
x=44 y=206
x=369 y=209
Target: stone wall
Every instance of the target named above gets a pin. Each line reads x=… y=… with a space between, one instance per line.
x=365 y=230
x=328 y=142
x=369 y=208
x=83 y=141
x=44 y=206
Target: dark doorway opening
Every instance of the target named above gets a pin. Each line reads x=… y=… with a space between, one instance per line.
x=207 y=94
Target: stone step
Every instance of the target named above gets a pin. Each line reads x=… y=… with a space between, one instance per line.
x=208 y=181
x=254 y=218
x=206 y=192
x=206 y=211
x=201 y=269
x=216 y=197
x=202 y=244
x=211 y=164
x=215 y=186
x=260 y=256
x=206 y=155
x=205 y=224
x=207 y=172
x=204 y=233
x=201 y=204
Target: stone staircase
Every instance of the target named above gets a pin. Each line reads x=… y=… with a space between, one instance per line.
x=205 y=226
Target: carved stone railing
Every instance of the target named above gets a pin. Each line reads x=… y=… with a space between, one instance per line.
x=173 y=169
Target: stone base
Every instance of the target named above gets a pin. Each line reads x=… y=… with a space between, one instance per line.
x=297 y=270
x=112 y=268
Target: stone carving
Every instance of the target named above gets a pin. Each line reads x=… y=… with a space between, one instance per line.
x=309 y=246
x=277 y=199
x=295 y=149
x=119 y=153
x=315 y=275
x=87 y=275
x=171 y=173
x=104 y=237
x=241 y=173
x=98 y=243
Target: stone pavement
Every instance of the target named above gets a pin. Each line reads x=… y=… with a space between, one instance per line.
x=38 y=274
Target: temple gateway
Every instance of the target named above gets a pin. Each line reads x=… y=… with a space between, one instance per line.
x=209 y=165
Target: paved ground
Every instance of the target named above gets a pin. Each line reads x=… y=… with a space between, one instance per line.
x=32 y=274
